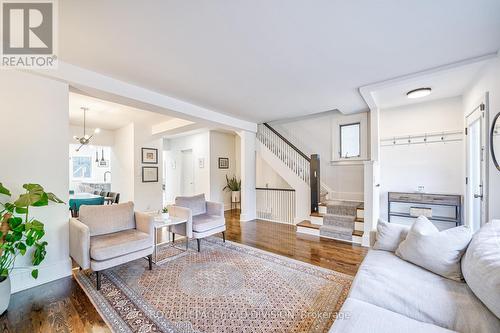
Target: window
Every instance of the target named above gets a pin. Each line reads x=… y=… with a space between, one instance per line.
x=350 y=140
x=82 y=167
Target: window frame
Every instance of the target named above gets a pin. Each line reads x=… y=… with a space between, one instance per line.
x=358 y=123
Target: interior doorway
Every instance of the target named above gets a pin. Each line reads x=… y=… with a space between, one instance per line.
x=187 y=172
x=476 y=199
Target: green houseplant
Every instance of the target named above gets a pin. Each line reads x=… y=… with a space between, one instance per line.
x=234 y=186
x=19 y=233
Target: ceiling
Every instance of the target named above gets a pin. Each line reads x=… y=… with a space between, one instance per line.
x=449 y=82
x=107 y=115
x=267 y=59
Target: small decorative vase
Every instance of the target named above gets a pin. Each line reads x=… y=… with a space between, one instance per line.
x=235 y=196
x=4 y=294
x=165 y=215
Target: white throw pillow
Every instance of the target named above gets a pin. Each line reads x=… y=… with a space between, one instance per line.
x=439 y=252
x=481 y=265
x=389 y=235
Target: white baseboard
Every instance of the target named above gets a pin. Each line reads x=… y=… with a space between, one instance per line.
x=21 y=278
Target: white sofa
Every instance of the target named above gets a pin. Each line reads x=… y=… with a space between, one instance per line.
x=392 y=295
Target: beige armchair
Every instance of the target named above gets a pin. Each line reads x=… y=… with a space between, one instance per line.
x=205 y=218
x=110 y=235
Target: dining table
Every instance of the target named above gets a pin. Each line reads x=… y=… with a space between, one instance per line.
x=78 y=199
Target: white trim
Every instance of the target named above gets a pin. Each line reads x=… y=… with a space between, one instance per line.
x=367 y=90
x=21 y=278
x=105 y=87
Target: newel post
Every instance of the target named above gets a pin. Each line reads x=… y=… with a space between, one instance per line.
x=315 y=182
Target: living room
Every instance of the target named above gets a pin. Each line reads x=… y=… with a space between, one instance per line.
x=299 y=167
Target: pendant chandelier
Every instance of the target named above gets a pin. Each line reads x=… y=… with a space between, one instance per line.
x=85 y=139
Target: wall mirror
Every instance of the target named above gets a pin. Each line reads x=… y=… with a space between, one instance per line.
x=495 y=140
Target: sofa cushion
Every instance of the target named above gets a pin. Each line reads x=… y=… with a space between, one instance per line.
x=438 y=251
x=196 y=203
x=385 y=280
x=114 y=245
x=390 y=235
x=358 y=316
x=205 y=222
x=108 y=218
x=481 y=265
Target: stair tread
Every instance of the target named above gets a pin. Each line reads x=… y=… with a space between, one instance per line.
x=316 y=214
x=358 y=233
x=308 y=224
x=359 y=220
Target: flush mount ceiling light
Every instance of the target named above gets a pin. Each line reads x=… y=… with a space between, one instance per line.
x=420 y=92
x=85 y=139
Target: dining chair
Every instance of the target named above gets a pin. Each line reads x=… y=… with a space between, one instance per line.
x=103 y=194
x=115 y=197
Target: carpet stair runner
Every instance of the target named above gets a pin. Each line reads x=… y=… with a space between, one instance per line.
x=338 y=222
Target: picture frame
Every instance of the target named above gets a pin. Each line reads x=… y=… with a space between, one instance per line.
x=223 y=163
x=149 y=174
x=149 y=155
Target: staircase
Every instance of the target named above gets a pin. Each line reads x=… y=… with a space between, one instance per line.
x=340 y=220
x=336 y=219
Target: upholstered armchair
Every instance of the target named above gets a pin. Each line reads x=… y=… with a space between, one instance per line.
x=110 y=235
x=205 y=218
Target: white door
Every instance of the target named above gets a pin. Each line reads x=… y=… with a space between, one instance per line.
x=187 y=173
x=476 y=199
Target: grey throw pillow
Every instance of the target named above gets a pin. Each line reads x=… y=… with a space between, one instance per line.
x=389 y=235
x=437 y=251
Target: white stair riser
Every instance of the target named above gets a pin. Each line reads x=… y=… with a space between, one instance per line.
x=359 y=226
x=360 y=213
x=315 y=232
x=317 y=220
x=322 y=209
x=308 y=231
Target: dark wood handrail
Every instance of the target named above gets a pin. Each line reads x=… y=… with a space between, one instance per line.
x=275 y=189
x=288 y=142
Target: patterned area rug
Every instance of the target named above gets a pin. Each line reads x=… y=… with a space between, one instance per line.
x=228 y=287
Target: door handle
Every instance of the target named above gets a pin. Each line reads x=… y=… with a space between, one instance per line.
x=478 y=196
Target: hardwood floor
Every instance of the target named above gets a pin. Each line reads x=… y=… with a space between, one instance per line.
x=62 y=306
x=282 y=239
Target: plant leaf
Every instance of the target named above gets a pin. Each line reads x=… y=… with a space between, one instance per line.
x=34 y=273
x=21 y=210
x=4 y=190
x=21 y=247
x=52 y=197
x=14 y=222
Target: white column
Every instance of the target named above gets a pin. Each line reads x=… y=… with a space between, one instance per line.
x=248 y=194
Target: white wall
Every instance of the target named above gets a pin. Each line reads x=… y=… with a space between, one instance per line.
x=34 y=112
x=488 y=81
x=266 y=176
x=222 y=144
x=209 y=145
x=147 y=196
x=122 y=160
x=314 y=136
x=439 y=167
x=200 y=145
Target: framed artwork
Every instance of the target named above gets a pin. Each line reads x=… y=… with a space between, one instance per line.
x=223 y=163
x=149 y=155
x=149 y=174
